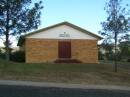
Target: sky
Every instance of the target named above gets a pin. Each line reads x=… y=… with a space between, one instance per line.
x=87 y=14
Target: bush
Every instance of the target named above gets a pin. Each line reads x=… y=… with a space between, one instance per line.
x=128 y=60
x=2 y=55
x=100 y=55
x=110 y=56
x=18 y=56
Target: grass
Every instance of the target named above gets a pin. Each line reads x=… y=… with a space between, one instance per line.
x=67 y=73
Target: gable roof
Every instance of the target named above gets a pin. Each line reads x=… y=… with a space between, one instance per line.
x=22 y=38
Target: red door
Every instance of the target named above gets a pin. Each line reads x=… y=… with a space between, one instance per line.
x=64 y=50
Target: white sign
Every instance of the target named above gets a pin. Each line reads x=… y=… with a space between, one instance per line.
x=64 y=35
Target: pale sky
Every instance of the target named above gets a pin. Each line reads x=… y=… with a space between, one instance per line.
x=87 y=14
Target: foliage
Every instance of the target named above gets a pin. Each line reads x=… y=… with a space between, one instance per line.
x=18 y=56
x=124 y=50
x=18 y=17
x=108 y=52
x=2 y=54
x=117 y=24
x=100 y=55
x=128 y=60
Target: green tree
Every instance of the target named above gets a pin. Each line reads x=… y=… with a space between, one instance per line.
x=124 y=50
x=117 y=24
x=108 y=51
x=17 y=17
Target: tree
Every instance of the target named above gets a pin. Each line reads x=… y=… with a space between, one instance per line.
x=18 y=17
x=108 y=51
x=124 y=50
x=117 y=25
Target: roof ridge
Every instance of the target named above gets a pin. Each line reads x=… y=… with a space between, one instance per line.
x=62 y=23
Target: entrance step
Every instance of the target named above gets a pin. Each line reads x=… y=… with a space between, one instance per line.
x=67 y=61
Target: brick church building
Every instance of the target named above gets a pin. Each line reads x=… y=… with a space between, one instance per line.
x=63 y=42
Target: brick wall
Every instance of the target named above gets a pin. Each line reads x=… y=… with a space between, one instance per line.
x=45 y=50
x=41 y=50
x=85 y=50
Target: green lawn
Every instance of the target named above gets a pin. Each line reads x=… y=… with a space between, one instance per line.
x=67 y=73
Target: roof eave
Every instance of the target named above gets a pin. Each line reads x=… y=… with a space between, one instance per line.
x=22 y=38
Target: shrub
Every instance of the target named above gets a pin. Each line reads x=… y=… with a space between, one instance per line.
x=100 y=55
x=2 y=55
x=128 y=60
x=18 y=56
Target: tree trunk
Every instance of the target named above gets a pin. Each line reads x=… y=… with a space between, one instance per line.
x=7 y=35
x=116 y=32
x=115 y=68
x=7 y=47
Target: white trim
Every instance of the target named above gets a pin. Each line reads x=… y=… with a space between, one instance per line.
x=62 y=32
